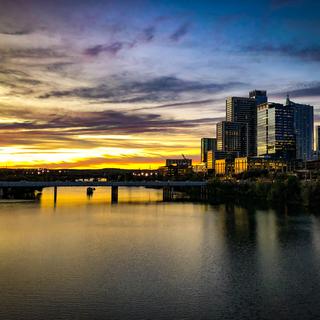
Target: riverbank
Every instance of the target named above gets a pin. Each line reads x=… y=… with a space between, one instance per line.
x=284 y=191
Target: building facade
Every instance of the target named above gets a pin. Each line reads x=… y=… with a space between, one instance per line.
x=179 y=162
x=207 y=144
x=318 y=140
x=210 y=160
x=255 y=163
x=244 y=110
x=232 y=137
x=176 y=167
x=303 y=125
x=260 y=96
x=275 y=131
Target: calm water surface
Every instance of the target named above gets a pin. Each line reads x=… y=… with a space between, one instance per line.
x=143 y=259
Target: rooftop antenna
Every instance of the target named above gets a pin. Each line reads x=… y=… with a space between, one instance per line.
x=288 y=99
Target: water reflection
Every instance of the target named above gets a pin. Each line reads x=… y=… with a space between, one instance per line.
x=68 y=196
x=143 y=258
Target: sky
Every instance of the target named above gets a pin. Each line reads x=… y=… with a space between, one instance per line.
x=129 y=83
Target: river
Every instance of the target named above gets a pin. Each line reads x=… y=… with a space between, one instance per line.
x=85 y=258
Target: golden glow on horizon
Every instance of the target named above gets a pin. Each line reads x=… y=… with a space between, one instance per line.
x=20 y=156
x=31 y=146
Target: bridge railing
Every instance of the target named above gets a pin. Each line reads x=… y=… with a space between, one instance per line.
x=156 y=184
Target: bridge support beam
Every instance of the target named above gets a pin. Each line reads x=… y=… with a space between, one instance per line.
x=204 y=193
x=114 y=194
x=55 y=193
x=167 y=193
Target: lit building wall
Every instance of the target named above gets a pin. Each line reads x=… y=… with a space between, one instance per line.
x=303 y=125
x=210 y=160
x=207 y=144
x=220 y=167
x=318 y=140
x=179 y=162
x=232 y=137
x=240 y=165
x=275 y=131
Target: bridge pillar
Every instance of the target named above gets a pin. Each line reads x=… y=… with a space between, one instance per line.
x=167 y=194
x=55 y=193
x=204 y=193
x=114 y=194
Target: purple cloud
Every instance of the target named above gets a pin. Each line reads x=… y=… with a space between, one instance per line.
x=111 y=49
x=180 y=32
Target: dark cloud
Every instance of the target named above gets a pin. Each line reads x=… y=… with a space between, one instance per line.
x=312 y=90
x=18 y=80
x=147 y=35
x=36 y=53
x=157 y=89
x=99 y=122
x=58 y=66
x=187 y=104
x=276 y=4
x=21 y=32
x=111 y=49
x=180 y=32
x=310 y=53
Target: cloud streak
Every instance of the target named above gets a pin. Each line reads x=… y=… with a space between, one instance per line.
x=21 y=32
x=105 y=121
x=310 y=90
x=111 y=49
x=178 y=34
x=156 y=89
x=308 y=53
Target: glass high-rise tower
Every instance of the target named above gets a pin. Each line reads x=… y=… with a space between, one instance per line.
x=244 y=110
x=207 y=144
x=318 y=140
x=275 y=131
x=303 y=126
x=232 y=137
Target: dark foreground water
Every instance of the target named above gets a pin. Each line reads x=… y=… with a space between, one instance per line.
x=144 y=259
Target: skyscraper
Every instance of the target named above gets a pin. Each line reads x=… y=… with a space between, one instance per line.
x=318 y=140
x=275 y=131
x=207 y=144
x=244 y=110
x=303 y=126
x=232 y=137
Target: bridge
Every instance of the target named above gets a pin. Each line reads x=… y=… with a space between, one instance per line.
x=167 y=186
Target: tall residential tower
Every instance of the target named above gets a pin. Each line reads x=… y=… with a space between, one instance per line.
x=207 y=144
x=275 y=131
x=303 y=126
x=318 y=141
x=244 y=110
x=232 y=137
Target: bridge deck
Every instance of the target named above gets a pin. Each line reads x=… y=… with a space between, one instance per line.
x=150 y=184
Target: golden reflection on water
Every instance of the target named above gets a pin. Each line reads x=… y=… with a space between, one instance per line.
x=70 y=196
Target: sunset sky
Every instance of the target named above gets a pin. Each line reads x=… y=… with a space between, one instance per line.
x=129 y=83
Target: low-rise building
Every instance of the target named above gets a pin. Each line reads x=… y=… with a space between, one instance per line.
x=220 y=167
x=176 y=167
x=244 y=164
x=200 y=168
x=179 y=162
x=210 y=160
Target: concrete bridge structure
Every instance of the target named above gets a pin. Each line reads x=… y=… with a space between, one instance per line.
x=167 y=186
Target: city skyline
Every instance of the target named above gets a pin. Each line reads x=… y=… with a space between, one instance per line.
x=130 y=84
